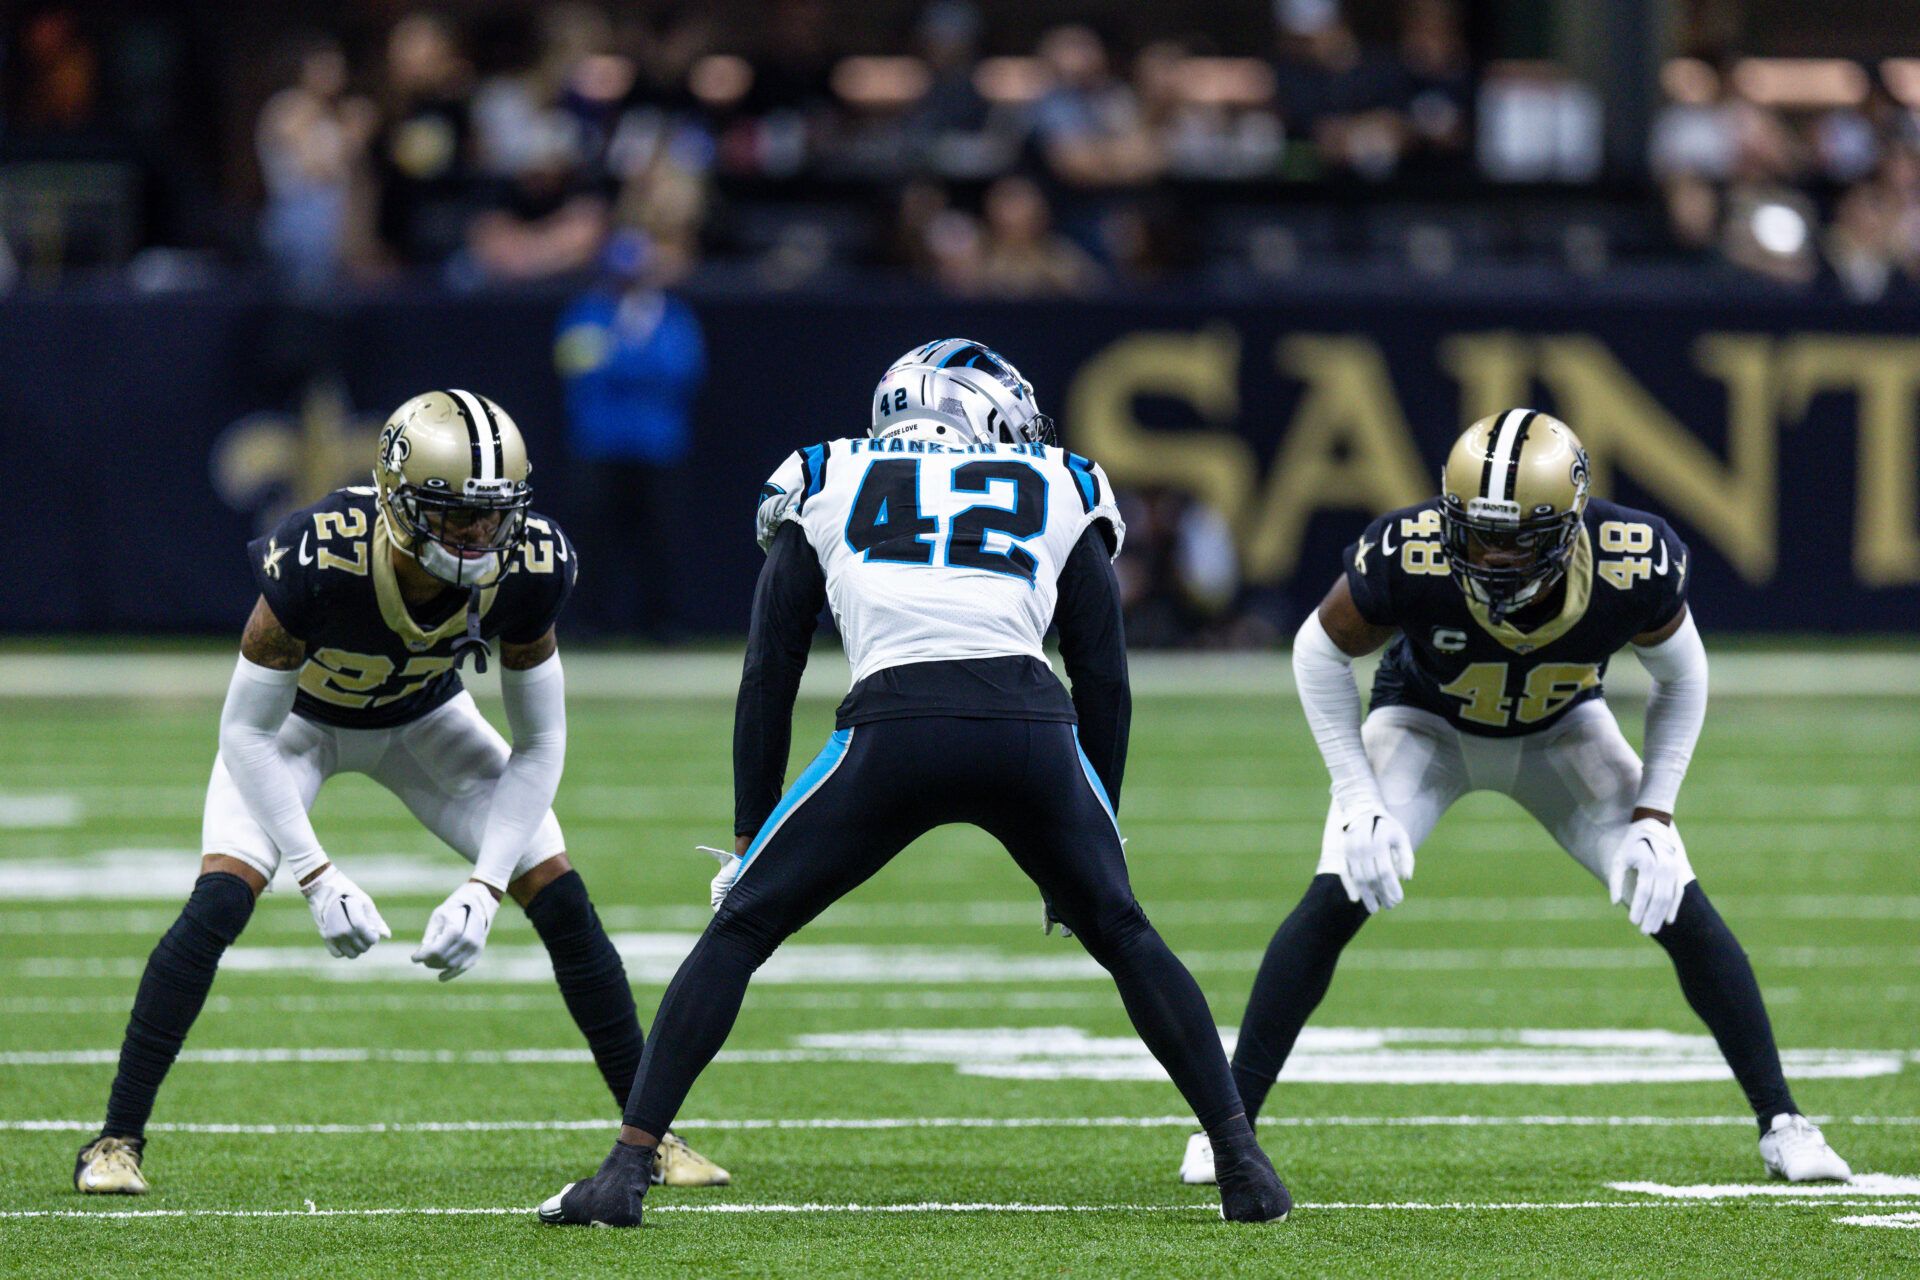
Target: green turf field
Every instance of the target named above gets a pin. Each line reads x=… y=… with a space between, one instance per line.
x=922 y=1084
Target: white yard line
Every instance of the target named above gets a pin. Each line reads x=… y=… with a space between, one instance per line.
x=1897 y=1221
x=923 y=1206
x=33 y=810
x=517 y=1002
x=1861 y=1184
x=42 y=921
x=670 y=676
x=655 y=957
x=886 y=1123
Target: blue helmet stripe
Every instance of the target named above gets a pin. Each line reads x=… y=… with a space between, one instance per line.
x=1081 y=469
x=813 y=461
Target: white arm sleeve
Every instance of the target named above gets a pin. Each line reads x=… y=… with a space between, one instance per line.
x=1676 y=709
x=536 y=702
x=1324 y=674
x=259 y=699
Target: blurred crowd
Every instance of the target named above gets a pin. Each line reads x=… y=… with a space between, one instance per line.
x=505 y=154
x=509 y=145
x=1795 y=195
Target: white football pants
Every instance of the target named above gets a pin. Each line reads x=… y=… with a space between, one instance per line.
x=1578 y=777
x=443 y=767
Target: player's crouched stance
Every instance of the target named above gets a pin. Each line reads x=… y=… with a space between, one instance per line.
x=1509 y=594
x=946 y=542
x=368 y=601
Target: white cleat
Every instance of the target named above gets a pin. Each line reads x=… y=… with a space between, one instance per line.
x=1795 y=1149
x=109 y=1167
x=675 y=1164
x=550 y=1207
x=1196 y=1167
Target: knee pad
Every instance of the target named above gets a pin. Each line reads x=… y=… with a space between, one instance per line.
x=1325 y=914
x=1112 y=928
x=563 y=916
x=1696 y=925
x=746 y=933
x=561 y=908
x=216 y=913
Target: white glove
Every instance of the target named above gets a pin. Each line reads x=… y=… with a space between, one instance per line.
x=730 y=865
x=457 y=930
x=349 y=922
x=1657 y=861
x=1379 y=857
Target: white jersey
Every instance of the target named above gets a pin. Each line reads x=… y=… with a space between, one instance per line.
x=936 y=553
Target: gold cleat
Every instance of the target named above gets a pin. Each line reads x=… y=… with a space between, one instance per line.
x=675 y=1164
x=110 y=1167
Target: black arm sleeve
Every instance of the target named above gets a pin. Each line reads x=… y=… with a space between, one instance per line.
x=786 y=608
x=1093 y=642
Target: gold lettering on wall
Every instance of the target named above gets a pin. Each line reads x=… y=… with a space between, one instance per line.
x=1494 y=370
x=1348 y=445
x=1347 y=448
x=1202 y=369
x=1624 y=427
x=1884 y=375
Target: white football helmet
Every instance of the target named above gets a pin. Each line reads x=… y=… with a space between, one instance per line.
x=956 y=391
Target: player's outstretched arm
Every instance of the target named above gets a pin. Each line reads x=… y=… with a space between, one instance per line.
x=1093 y=645
x=1676 y=658
x=786 y=608
x=533 y=689
x=1379 y=853
x=787 y=600
x=259 y=699
x=1676 y=710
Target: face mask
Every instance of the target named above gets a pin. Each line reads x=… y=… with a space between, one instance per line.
x=457 y=570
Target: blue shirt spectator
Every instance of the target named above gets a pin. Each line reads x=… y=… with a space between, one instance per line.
x=633 y=361
x=632 y=358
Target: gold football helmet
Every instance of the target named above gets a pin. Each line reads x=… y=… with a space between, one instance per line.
x=452 y=478
x=1512 y=495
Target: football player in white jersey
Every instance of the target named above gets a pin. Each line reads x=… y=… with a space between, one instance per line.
x=1503 y=598
x=946 y=543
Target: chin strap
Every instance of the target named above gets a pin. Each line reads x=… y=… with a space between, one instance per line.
x=471 y=643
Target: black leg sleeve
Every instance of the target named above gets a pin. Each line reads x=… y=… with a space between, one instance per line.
x=592 y=980
x=172 y=992
x=1293 y=979
x=696 y=1016
x=1718 y=982
x=843 y=821
x=1064 y=838
x=1168 y=1011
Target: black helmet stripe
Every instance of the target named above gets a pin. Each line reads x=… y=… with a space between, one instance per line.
x=483 y=435
x=1513 y=462
x=499 y=438
x=1502 y=466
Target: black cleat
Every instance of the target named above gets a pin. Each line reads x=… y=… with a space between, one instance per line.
x=1250 y=1191
x=610 y=1198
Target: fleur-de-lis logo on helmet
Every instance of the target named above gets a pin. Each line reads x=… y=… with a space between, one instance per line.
x=395 y=448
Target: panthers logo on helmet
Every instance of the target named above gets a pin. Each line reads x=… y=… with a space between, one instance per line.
x=961 y=391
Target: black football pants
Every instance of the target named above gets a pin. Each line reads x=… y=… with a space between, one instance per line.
x=875 y=789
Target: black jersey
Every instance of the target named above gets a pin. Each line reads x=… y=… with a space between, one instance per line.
x=327 y=573
x=1627 y=576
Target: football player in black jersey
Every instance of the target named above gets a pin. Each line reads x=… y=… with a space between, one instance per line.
x=369 y=600
x=1504 y=598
